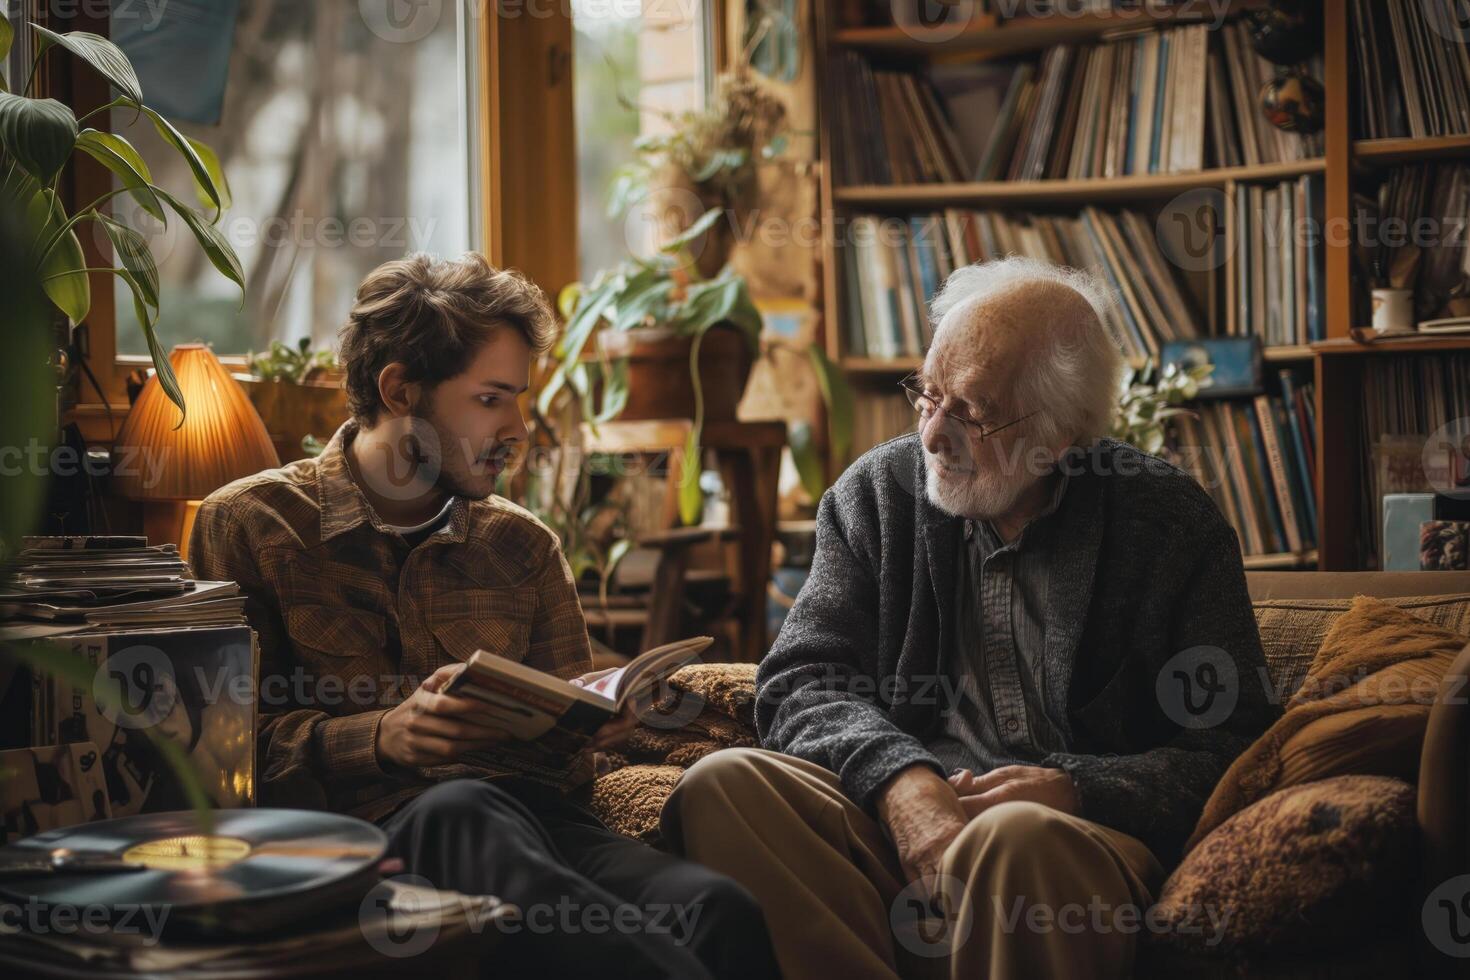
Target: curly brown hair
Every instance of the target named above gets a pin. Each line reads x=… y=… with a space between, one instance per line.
x=432 y=316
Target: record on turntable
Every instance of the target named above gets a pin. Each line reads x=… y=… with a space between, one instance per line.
x=252 y=871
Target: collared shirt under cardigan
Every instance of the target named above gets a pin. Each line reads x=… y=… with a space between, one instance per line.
x=352 y=618
x=997 y=668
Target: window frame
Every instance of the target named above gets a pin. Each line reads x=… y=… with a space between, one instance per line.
x=516 y=68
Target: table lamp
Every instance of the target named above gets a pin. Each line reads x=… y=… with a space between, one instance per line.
x=170 y=467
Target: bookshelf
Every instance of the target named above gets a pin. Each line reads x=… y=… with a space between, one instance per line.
x=1334 y=366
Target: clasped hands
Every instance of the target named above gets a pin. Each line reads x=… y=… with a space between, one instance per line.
x=432 y=727
x=924 y=812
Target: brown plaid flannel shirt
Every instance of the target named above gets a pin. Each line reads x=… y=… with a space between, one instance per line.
x=351 y=620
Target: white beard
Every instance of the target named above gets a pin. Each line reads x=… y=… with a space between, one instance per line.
x=978 y=496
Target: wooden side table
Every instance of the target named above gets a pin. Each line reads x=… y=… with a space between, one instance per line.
x=750 y=460
x=749 y=455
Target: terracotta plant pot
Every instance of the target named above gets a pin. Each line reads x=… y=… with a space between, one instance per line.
x=659 y=382
x=293 y=411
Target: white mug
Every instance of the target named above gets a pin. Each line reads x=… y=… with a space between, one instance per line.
x=1393 y=310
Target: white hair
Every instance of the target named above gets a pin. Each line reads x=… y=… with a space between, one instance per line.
x=1073 y=383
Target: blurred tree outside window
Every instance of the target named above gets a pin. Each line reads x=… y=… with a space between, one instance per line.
x=654 y=56
x=343 y=136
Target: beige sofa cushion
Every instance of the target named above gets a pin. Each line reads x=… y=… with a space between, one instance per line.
x=1292 y=630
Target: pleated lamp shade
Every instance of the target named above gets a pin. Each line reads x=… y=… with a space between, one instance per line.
x=221 y=440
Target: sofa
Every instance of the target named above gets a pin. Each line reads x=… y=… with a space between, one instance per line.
x=1294 y=611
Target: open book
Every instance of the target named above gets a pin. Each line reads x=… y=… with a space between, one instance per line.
x=535 y=706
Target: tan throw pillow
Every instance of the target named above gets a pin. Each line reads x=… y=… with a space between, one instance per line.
x=1361 y=709
x=1310 y=868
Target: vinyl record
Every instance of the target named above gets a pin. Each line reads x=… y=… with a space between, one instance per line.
x=254 y=870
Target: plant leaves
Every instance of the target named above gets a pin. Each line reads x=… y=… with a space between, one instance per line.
x=119 y=156
x=202 y=177
x=837 y=394
x=701 y=224
x=136 y=257
x=217 y=248
x=104 y=56
x=161 y=364
x=39 y=133
x=60 y=272
x=566 y=300
x=7 y=36
x=569 y=348
x=210 y=159
x=722 y=300
x=615 y=392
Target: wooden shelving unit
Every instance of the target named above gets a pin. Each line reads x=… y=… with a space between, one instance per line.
x=987 y=36
x=1002 y=194
x=1336 y=364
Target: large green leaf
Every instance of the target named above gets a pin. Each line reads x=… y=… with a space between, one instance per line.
x=147 y=318
x=119 y=156
x=691 y=494
x=722 y=300
x=217 y=248
x=136 y=257
x=202 y=177
x=210 y=159
x=7 y=35
x=61 y=276
x=838 y=395
x=104 y=56
x=39 y=133
x=584 y=322
x=615 y=392
x=808 y=462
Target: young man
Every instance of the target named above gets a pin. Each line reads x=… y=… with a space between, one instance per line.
x=372 y=572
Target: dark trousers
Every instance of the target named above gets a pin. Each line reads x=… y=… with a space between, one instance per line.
x=593 y=903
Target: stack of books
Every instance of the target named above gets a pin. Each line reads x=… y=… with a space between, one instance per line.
x=1413 y=68
x=1280 y=262
x=1256 y=458
x=1164 y=101
x=1411 y=408
x=66 y=584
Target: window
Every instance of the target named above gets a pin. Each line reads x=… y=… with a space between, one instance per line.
x=343 y=133
x=655 y=56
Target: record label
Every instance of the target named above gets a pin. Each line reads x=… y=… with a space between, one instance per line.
x=195 y=852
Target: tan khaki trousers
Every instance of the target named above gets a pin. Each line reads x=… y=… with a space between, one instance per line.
x=1026 y=890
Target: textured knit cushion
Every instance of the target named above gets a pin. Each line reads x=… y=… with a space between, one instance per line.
x=1361 y=710
x=1293 y=629
x=1313 y=867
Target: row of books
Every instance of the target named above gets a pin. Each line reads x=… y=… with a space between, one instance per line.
x=1411 y=234
x=1256 y=457
x=894 y=266
x=1164 y=101
x=1411 y=407
x=1413 y=68
x=1281 y=262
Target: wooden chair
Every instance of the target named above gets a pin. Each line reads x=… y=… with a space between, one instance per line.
x=749 y=455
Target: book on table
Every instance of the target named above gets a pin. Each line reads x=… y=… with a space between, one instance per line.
x=533 y=705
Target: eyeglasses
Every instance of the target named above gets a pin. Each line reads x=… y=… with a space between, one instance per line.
x=926 y=403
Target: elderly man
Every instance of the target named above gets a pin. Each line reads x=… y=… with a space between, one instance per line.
x=1023 y=659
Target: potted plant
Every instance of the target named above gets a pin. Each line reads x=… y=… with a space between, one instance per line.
x=38 y=137
x=709 y=155
x=654 y=339
x=298 y=393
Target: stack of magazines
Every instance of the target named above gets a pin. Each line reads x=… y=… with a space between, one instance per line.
x=61 y=584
